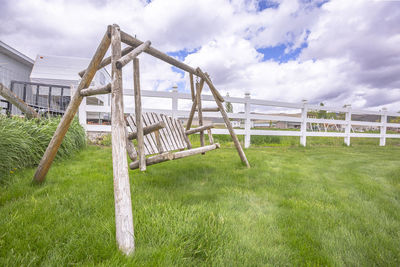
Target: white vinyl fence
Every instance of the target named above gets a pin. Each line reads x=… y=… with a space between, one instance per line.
x=247 y=116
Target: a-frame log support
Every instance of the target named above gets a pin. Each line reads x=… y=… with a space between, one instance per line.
x=69 y=115
x=217 y=96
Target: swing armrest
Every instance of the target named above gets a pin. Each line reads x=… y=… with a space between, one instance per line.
x=199 y=129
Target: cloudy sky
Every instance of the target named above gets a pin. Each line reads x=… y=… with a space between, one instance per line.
x=336 y=52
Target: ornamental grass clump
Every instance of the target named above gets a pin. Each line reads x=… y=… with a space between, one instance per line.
x=23 y=142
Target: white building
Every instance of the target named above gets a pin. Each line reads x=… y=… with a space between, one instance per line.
x=63 y=71
x=13 y=66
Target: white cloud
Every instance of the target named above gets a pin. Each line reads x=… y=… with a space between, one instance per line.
x=353 y=52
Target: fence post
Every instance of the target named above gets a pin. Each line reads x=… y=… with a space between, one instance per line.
x=303 y=127
x=247 y=125
x=174 y=101
x=382 y=140
x=81 y=110
x=348 y=125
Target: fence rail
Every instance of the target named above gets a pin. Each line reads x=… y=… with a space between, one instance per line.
x=247 y=116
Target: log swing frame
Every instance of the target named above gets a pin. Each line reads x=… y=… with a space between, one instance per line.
x=120 y=142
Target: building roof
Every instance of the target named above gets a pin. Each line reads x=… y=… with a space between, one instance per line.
x=13 y=53
x=59 y=69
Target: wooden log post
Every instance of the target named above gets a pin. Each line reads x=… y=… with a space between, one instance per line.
x=138 y=114
x=122 y=192
x=16 y=101
x=210 y=137
x=72 y=108
x=193 y=110
x=130 y=148
x=192 y=87
x=226 y=119
x=200 y=113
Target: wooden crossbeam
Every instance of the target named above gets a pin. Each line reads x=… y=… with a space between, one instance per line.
x=148 y=129
x=216 y=109
x=16 y=101
x=133 y=54
x=96 y=90
x=107 y=61
x=166 y=156
x=199 y=129
x=132 y=41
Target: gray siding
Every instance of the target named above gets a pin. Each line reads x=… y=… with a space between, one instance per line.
x=11 y=69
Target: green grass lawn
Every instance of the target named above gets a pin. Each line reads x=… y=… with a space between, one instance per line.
x=296 y=206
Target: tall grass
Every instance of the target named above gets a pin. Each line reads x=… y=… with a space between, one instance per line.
x=23 y=142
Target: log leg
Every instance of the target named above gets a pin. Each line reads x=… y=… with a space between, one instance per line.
x=226 y=119
x=210 y=137
x=73 y=106
x=192 y=87
x=130 y=147
x=138 y=114
x=191 y=115
x=122 y=192
x=200 y=112
x=193 y=110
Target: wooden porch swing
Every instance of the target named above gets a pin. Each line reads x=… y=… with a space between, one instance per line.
x=158 y=135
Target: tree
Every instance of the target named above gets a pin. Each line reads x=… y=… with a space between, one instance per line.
x=228 y=105
x=321 y=113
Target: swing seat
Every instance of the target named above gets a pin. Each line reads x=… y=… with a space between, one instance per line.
x=164 y=139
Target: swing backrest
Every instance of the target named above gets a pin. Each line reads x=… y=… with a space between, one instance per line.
x=171 y=137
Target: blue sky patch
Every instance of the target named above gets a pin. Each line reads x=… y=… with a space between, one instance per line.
x=277 y=53
x=180 y=55
x=264 y=4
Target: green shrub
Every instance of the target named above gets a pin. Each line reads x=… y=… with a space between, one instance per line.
x=23 y=142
